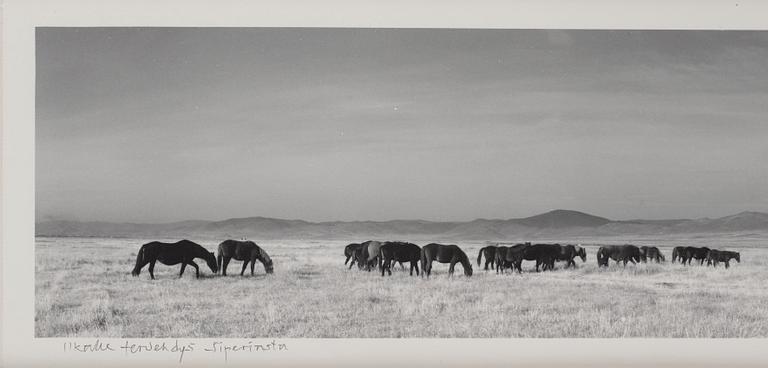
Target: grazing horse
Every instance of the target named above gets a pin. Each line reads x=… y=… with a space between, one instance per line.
x=651 y=252
x=619 y=253
x=182 y=251
x=349 y=252
x=246 y=251
x=391 y=252
x=679 y=253
x=490 y=256
x=568 y=252
x=697 y=253
x=370 y=255
x=715 y=256
x=444 y=254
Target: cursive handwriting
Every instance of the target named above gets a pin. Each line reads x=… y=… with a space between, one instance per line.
x=181 y=348
x=250 y=347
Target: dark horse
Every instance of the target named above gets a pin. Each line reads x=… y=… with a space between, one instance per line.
x=500 y=258
x=349 y=252
x=511 y=257
x=545 y=255
x=619 y=253
x=715 y=256
x=568 y=252
x=444 y=254
x=490 y=256
x=651 y=253
x=392 y=252
x=678 y=253
x=182 y=251
x=697 y=253
x=246 y=251
x=357 y=256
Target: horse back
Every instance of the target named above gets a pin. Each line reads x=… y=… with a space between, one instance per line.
x=489 y=251
x=239 y=250
x=350 y=249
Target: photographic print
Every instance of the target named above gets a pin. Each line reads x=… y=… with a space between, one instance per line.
x=253 y=182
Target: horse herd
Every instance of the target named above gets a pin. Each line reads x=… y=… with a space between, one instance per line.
x=499 y=257
x=384 y=255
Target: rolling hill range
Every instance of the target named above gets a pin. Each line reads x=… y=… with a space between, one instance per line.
x=557 y=223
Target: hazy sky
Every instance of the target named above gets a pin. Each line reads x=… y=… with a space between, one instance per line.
x=159 y=125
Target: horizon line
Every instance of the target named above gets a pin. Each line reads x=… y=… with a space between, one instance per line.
x=391 y=220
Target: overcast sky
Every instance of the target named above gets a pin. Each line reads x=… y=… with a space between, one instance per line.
x=160 y=125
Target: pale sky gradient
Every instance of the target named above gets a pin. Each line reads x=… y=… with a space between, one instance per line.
x=160 y=125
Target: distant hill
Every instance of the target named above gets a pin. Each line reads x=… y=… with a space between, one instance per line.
x=563 y=218
x=557 y=223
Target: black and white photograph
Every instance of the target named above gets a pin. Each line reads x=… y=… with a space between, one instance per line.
x=293 y=182
x=267 y=184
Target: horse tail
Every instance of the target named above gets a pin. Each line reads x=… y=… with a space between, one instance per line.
x=139 y=258
x=480 y=256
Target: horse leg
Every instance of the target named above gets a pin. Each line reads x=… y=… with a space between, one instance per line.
x=245 y=265
x=453 y=264
x=383 y=268
x=152 y=269
x=224 y=265
x=183 y=266
x=727 y=263
x=253 y=263
x=197 y=269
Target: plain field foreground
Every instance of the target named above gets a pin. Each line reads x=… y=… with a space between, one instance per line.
x=83 y=288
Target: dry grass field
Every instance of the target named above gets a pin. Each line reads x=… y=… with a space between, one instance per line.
x=312 y=294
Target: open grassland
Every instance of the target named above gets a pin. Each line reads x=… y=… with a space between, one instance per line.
x=83 y=288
